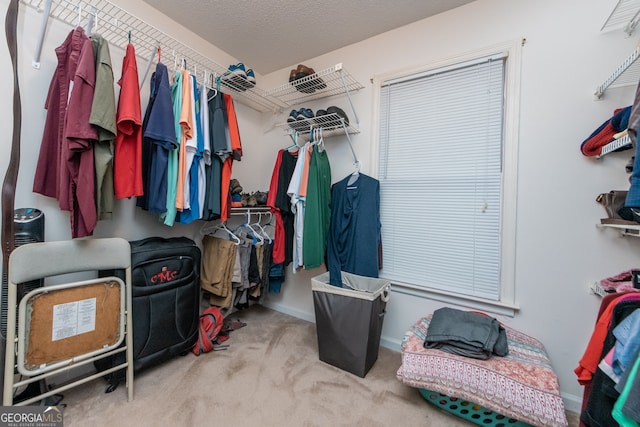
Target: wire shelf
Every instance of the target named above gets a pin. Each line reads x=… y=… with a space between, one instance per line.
x=614 y=145
x=627 y=74
x=626 y=228
x=624 y=15
x=328 y=82
x=116 y=25
x=331 y=125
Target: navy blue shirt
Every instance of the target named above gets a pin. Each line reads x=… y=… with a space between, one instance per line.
x=354 y=231
x=159 y=137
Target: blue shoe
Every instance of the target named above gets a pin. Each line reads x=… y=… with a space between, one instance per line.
x=238 y=69
x=305 y=113
x=293 y=116
x=251 y=78
x=236 y=77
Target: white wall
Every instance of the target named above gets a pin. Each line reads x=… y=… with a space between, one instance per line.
x=559 y=250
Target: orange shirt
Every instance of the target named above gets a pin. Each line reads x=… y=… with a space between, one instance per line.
x=304 y=178
x=236 y=146
x=234 y=131
x=127 y=157
x=186 y=121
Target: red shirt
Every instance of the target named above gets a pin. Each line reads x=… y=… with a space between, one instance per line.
x=277 y=253
x=589 y=362
x=127 y=157
x=51 y=172
x=80 y=137
x=227 y=166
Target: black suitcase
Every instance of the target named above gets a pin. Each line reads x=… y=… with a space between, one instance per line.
x=165 y=274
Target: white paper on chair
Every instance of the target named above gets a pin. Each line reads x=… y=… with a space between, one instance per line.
x=73 y=318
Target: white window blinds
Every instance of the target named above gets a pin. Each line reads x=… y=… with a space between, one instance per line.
x=440 y=171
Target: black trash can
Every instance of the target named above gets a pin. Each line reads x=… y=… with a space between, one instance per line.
x=349 y=320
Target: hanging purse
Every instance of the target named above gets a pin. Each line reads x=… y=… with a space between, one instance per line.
x=612 y=202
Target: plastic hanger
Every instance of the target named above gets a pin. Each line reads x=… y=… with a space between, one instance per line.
x=355 y=175
x=294 y=138
x=262 y=230
x=206 y=229
x=214 y=91
x=320 y=138
x=257 y=238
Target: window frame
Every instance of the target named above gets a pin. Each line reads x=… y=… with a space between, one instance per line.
x=506 y=304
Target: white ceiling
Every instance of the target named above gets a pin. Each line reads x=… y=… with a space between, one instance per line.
x=270 y=35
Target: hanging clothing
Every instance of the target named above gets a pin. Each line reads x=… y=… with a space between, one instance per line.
x=172 y=161
x=599 y=407
x=278 y=239
x=195 y=148
x=626 y=410
x=633 y=195
x=212 y=196
x=297 y=207
x=213 y=170
x=592 y=355
x=205 y=159
x=103 y=117
x=218 y=260
x=589 y=362
x=264 y=265
x=191 y=145
x=317 y=210
x=127 y=160
x=217 y=120
x=186 y=121
x=234 y=130
x=283 y=203
x=159 y=138
x=51 y=171
x=354 y=233
x=80 y=137
x=236 y=154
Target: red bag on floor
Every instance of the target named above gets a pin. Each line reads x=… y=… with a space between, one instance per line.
x=211 y=323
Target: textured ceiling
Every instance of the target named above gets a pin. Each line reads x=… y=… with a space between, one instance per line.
x=270 y=35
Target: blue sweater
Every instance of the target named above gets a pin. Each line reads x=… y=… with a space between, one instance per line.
x=354 y=231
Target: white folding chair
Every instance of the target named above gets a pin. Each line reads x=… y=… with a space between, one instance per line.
x=50 y=340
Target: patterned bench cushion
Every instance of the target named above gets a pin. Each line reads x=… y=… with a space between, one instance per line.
x=521 y=385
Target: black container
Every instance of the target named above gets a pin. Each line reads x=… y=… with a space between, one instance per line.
x=349 y=320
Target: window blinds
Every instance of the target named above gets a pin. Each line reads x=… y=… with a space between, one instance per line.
x=440 y=170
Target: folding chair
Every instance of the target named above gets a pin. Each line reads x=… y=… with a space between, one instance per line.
x=65 y=326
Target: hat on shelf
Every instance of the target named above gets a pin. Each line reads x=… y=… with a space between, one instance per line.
x=620 y=282
x=592 y=146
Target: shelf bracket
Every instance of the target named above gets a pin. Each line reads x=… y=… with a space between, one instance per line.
x=43 y=29
x=617 y=73
x=346 y=90
x=631 y=25
x=346 y=132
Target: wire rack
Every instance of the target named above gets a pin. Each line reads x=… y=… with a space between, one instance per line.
x=118 y=27
x=624 y=15
x=328 y=82
x=331 y=125
x=626 y=74
x=616 y=144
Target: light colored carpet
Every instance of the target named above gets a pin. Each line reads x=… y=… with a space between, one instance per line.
x=269 y=376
